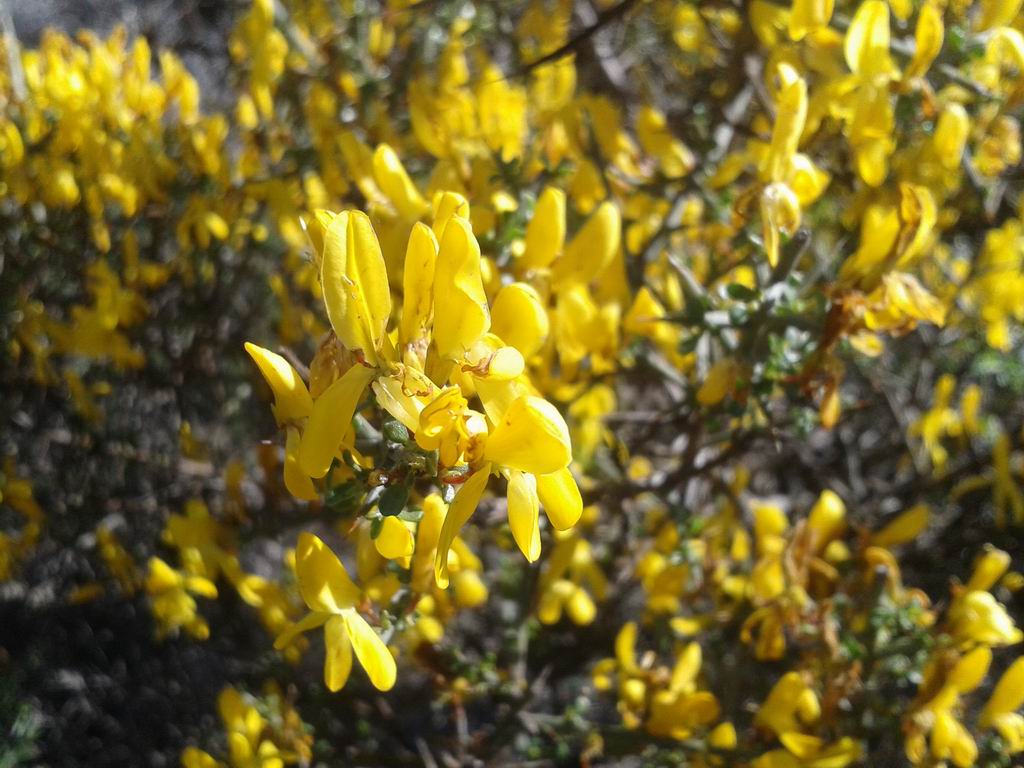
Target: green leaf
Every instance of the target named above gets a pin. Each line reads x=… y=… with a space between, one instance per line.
x=741 y=292
x=393 y=500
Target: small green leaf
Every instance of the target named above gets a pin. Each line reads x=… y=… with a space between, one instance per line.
x=741 y=292
x=393 y=500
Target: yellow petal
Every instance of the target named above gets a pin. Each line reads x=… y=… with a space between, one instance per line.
x=904 y=528
x=418 y=284
x=395 y=540
x=807 y=16
x=801 y=745
x=997 y=13
x=308 y=622
x=447 y=205
x=291 y=397
x=791 y=115
x=461 y=316
x=295 y=480
x=337 y=654
x=580 y=607
x=161 y=576
x=330 y=419
x=518 y=318
x=780 y=213
x=720 y=381
x=625 y=646
x=355 y=284
x=316 y=228
x=723 y=736
x=523 y=512
x=323 y=582
x=1008 y=695
x=545 y=234
x=928 y=36
x=592 y=249
x=951 y=134
x=827 y=519
x=470 y=590
x=560 y=497
x=531 y=437
x=373 y=655
x=971 y=669
x=460 y=510
x=989 y=568
x=867 y=40
x=396 y=185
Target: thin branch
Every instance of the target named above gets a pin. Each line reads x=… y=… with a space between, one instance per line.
x=604 y=18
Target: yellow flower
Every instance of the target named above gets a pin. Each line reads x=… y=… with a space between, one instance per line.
x=332 y=598
x=977 y=617
x=170 y=593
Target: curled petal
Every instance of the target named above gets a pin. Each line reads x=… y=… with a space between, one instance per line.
x=291 y=397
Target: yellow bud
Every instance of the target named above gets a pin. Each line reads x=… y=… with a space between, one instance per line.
x=827 y=519
x=470 y=590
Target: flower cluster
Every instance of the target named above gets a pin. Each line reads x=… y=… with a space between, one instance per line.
x=730 y=291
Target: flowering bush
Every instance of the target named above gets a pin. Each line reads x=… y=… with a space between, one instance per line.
x=732 y=292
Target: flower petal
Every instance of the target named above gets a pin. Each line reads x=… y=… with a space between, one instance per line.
x=337 y=654
x=291 y=397
x=560 y=497
x=531 y=437
x=523 y=512
x=355 y=283
x=323 y=582
x=460 y=510
x=330 y=419
x=371 y=651
x=306 y=623
x=295 y=480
